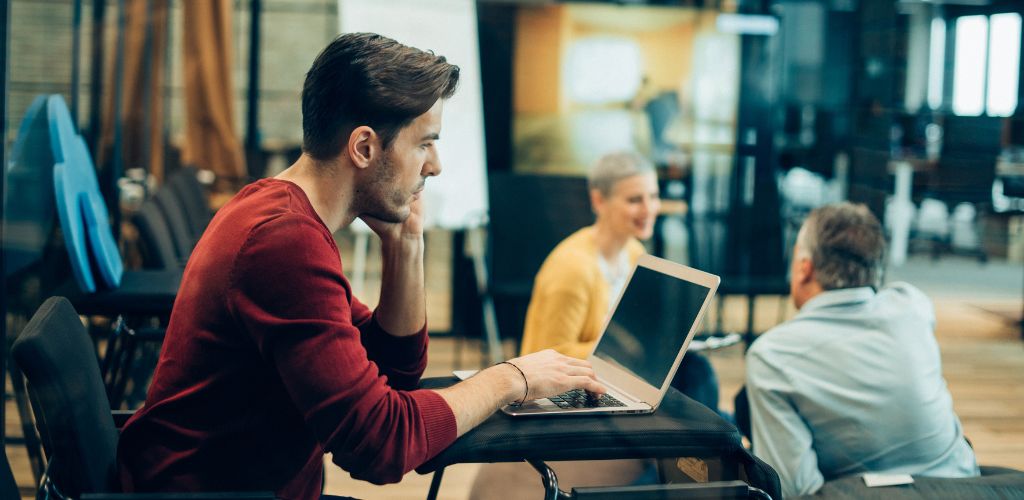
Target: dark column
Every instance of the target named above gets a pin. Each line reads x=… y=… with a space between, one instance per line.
x=252 y=117
x=755 y=232
x=99 y=8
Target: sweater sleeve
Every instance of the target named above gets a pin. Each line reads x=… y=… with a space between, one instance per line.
x=288 y=293
x=557 y=314
x=400 y=359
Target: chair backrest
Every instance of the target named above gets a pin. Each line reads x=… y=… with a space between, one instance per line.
x=29 y=212
x=158 y=250
x=186 y=185
x=529 y=215
x=71 y=407
x=171 y=207
x=80 y=207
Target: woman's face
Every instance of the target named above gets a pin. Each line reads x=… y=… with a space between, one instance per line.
x=631 y=207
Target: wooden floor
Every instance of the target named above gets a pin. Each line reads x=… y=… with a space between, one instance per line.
x=983 y=358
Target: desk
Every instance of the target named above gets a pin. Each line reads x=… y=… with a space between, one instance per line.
x=680 y=427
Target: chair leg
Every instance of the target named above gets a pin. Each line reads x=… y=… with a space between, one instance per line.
x=435 y=484
x=550 y=480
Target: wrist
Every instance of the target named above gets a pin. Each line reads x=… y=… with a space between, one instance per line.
x=402 y=244
x=511 y=384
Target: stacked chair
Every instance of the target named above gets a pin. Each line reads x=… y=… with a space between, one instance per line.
x=52 y=183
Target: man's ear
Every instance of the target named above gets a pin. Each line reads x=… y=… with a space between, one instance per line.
x=363 y=146
x=804 y=270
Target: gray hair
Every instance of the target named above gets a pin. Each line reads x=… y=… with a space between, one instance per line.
x=614 y=167
x=846 y=245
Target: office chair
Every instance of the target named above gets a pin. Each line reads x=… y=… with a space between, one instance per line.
x=101 y=285
x=174 y=214
x=185 y=185
x=155 y=239
x=529 y=216
x=71 y=409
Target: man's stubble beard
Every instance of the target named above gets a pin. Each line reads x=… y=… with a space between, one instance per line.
x=381 y=197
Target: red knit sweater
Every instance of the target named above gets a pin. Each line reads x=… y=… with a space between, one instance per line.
x=269 y=362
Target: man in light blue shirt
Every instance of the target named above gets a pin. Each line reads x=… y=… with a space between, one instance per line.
x=853 y=383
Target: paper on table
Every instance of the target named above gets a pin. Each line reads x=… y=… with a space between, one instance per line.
x=876 y=480
x=464 y=374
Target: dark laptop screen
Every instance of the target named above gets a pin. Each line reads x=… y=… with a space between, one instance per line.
x=650 y=324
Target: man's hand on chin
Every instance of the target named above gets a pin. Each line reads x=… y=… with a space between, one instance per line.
x=392 y=232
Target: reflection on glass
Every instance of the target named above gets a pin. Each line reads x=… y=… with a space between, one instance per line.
x=1003 y=64
x=969 y=65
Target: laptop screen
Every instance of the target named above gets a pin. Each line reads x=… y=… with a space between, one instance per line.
x=650 y=324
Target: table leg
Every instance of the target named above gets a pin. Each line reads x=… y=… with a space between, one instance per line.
x=435 y=484
x=550 y=480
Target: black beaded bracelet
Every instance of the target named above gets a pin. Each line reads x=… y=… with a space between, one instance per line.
x=521 y=401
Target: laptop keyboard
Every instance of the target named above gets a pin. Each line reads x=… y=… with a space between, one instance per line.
x=579 y=398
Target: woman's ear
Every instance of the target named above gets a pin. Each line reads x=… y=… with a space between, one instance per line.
x=597 y=201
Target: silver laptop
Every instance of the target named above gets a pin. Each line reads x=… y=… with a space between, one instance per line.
x=643 y=342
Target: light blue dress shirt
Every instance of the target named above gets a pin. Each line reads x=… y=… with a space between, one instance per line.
x=853 y=384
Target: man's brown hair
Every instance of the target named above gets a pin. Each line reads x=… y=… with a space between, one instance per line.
x=368 y=79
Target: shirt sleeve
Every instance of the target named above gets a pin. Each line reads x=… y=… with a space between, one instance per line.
x=779 y=436
x=556 y=316
x=288 y=294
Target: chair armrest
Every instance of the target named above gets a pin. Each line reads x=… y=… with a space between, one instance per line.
x=250 y=495
x=121 y=417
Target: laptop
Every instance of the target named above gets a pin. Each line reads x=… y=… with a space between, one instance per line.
x=644 y=340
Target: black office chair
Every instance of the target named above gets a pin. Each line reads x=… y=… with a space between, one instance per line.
x=72 y=413
x=174 y=214
x=192 y=196
x=529 y=216
x=155 y=240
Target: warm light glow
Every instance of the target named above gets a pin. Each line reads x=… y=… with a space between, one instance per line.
x=969 y=65
x=602 y=70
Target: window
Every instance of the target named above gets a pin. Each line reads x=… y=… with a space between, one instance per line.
x=969 y=65
x=1003 y=64
x=986 y=64
x=936 y=63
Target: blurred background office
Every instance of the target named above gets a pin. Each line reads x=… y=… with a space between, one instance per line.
x=755 y=112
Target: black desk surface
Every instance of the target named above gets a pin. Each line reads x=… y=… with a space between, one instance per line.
x=680 y=427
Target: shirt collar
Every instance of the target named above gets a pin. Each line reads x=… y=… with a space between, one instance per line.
x=842 y=296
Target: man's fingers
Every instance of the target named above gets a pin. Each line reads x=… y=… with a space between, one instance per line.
x=590 y=385
x=577 y=362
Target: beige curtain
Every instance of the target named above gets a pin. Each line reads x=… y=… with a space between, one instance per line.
x=210 y=138
x=135 y=107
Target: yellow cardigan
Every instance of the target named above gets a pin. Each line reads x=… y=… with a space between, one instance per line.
x=570 y=297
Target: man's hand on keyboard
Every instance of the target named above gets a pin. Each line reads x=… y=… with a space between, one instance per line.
x=550 y=373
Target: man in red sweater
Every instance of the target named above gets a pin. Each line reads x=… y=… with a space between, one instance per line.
x=269 y=361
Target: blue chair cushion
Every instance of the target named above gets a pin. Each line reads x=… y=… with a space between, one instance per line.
x=80 y=207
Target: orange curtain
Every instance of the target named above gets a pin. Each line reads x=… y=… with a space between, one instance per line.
x=210 y=138
x=136 y=129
